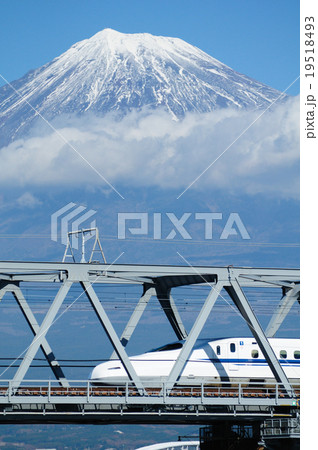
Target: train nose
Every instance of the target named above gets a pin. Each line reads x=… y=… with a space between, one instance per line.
x=97 y=372
x=107 y=370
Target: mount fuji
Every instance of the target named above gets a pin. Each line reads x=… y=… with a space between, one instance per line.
x=119 y=72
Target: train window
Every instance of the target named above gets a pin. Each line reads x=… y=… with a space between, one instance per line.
x=297 y=354
x=283 y=354
x=218 y=350
x=165 y=348
x=254 y=353
x=232 y=347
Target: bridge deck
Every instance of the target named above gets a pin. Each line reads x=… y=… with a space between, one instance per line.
x=190 y=404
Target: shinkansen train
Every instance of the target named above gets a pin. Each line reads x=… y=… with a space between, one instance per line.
x=229 y=359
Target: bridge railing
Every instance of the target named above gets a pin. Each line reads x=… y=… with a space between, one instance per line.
x=87 y=391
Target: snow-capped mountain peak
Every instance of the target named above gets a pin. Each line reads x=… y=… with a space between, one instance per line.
x=113 y=71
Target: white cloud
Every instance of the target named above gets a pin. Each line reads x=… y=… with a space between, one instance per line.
x=147 y=149
x=28 y=200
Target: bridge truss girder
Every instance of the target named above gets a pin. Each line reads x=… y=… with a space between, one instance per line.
x=156 y=281
x=34 y=326
x=290 y=296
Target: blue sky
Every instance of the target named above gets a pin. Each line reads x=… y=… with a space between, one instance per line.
x=259 y=39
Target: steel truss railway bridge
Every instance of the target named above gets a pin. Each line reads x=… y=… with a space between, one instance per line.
x=78 y=401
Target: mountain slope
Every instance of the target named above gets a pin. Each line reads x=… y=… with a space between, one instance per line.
x=118 y=72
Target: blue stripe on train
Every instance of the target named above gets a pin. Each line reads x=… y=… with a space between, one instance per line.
x=255 y=362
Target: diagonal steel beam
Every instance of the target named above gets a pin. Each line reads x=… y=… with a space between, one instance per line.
x=111 y=333
x=238 y=297
x=193 y=336
x=283 y=308
x=148 y=292
x=171 y=311
x=41 y=333
x=33 y=324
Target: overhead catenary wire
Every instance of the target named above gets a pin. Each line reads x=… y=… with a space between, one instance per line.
x=188 y=298
x=243 y=242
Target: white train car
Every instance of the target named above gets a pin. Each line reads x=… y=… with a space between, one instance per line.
x=228 y=359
